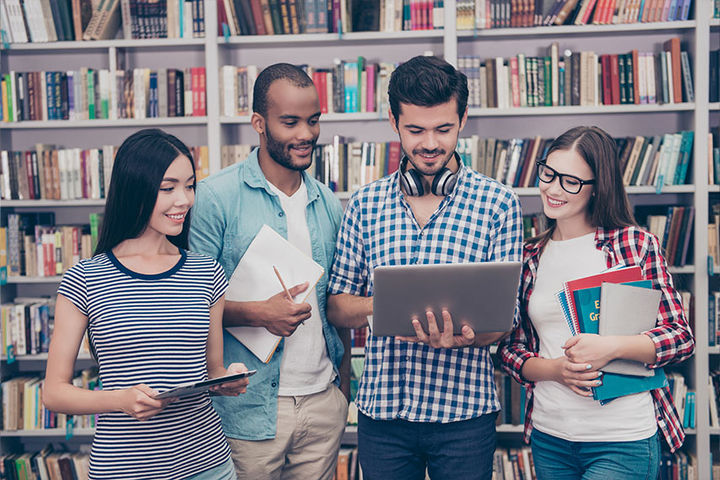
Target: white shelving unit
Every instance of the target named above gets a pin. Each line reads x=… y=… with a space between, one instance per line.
x=214 y=130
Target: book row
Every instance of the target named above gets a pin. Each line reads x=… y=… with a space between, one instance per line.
x=672 y=225
x=26 y=326
x=580 y=78
x=341 y=165
x=347 y=87
x=50 y=173
x=89 y=94
x=479 y=14
x=23 y=408
x=645 y=160
x=45 y=465
x=345 y=166
x=272 y=17
x=41 y=21
x=162 y=18
x=36 y=247
x=683 y=399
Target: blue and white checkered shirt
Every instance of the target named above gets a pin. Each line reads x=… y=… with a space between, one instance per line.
x=480 y=221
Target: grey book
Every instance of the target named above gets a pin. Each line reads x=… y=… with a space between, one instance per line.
x=627 y=310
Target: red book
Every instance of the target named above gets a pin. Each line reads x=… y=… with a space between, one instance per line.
x=323 y=91
x=258 y=17
x=606 y=79
x=636 y=79
x=201 y=91
x=222 y=18
x=673 y=46
x=622 y=275
x=393 y=162
x=608 y=13
x=84 y=180
x=515 y=81
x=195 y=85
x=318 y=86
x=370 y=96
x=614 y=79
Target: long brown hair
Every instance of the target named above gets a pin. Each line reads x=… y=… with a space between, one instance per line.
x=609 y=206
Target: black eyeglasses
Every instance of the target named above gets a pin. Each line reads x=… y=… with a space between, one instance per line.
x=570 y=183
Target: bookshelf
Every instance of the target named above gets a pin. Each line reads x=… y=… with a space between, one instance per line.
x=698 y=36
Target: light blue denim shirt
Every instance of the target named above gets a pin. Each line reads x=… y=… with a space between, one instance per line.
x=230 y=207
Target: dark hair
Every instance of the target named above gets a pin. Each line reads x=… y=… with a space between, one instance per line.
x=278 y=71
x=427 y=81
x=609 y=206
x=140 y=164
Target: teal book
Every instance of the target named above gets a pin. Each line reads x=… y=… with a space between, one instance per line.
x=587 y=302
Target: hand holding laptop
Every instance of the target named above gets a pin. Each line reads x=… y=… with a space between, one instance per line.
x=446 y=338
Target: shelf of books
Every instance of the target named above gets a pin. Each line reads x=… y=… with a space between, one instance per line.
x=190 y=69
x=111 y=123
x=584 y=30
x=326 y=38
x=106 y=44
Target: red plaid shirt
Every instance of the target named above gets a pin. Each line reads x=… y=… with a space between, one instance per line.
x=673 y=339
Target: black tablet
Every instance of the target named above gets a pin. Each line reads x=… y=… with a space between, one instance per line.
x=197 y=387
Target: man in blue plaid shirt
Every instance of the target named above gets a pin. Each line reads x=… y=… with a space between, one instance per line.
x=427 y=402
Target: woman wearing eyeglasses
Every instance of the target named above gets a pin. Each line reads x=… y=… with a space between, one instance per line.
x=591 y=229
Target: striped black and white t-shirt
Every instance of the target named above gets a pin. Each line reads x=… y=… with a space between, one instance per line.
x=151 y=329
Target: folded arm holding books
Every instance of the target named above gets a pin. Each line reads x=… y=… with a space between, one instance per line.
x=585 y=355
x=599 y=350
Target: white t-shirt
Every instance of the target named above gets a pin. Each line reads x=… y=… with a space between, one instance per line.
x=557 y=410
x=305 y=367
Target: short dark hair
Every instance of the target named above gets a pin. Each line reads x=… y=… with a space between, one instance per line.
x=139 y=167
x=278 y=71
x=609 y=207
x=427 y=81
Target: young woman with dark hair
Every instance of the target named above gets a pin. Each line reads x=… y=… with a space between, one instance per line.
x=153 y=312
x=591 y=229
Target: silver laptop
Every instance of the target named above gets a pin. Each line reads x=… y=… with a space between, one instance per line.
x=481 y=295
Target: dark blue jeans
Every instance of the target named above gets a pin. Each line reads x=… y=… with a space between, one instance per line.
x=401 y=450
x=558 y=459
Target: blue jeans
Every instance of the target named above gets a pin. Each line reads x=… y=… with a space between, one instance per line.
x=558 y=459
x=402 y=450
x=224 y=471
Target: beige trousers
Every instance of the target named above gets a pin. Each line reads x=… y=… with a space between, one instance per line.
x=305 y=447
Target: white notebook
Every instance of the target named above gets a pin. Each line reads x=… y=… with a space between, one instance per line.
x=254 y=280
x=627 y=310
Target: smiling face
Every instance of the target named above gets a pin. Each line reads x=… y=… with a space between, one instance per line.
x=567 y=209
x=175 y=197
x=292 y=124
x=428 y=135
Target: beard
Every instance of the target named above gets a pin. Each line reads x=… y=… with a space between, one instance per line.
x=423 y=169
x=279 y=152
